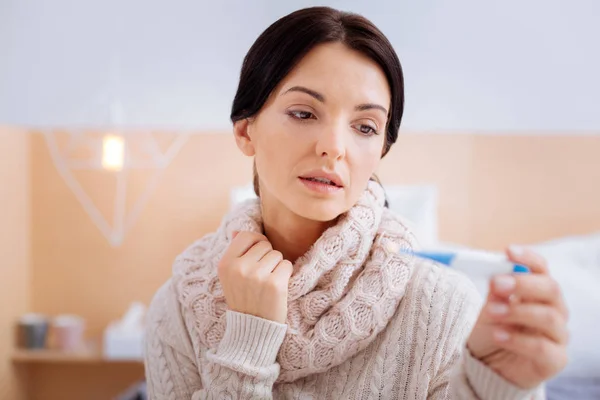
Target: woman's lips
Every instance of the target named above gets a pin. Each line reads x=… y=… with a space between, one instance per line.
x=320 y=187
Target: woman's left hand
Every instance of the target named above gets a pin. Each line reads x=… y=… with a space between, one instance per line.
x=521 y=332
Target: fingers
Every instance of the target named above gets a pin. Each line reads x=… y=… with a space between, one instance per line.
x=242 y=242
x=540 y=318
x=538 y=286
x=529 y=288
x=269 y=262
x=534 y=347
x=523 y=256
x=533 y=288
x=255 y=254
x=257 y=251
x=282 y=273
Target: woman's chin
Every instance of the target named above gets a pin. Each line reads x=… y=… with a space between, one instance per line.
x=321 y=211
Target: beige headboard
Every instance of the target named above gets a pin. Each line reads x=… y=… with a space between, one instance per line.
x=502 y=189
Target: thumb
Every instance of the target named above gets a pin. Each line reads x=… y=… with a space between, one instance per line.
x=234 y=234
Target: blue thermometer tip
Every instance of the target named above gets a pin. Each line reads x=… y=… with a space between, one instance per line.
x=520 y=269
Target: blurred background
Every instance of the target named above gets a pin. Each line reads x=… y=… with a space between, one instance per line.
x=116 y=153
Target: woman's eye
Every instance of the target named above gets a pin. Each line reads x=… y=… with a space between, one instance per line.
x=367 y=130
x=301 y=114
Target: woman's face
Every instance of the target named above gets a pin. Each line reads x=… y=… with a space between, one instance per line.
x=320 y=136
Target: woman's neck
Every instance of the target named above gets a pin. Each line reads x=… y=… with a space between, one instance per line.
x=290 y=233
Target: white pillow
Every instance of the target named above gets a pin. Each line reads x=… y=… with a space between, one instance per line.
x=239 y=194
x=418 y=205
x=583 y=250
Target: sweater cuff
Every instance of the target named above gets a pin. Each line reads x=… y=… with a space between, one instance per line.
x=250 y=341
x=488 y=385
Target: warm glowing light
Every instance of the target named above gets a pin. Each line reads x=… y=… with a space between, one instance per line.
x=113 y=152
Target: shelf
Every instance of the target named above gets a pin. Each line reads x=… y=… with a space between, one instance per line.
x=90 y=353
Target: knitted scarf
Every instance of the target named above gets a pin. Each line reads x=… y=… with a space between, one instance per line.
x=343 y=291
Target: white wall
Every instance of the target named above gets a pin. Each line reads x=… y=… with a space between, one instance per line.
x=469 y=64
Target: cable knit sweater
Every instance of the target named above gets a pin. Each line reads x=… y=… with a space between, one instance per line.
x=364 y=322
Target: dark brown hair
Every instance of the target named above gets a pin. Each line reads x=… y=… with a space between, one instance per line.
x=283 y=44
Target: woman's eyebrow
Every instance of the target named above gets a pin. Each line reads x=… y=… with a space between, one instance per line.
x=321 y=98
x=306 y=90
x=371 y=106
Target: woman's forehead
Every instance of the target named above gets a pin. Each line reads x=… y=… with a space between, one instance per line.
x=339 y=73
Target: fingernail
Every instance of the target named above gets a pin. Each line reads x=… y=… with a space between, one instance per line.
x=513 y=299
x=234 y=234
x=501 y=335
x=516 y=250
x=505 y=283
x=498 y=308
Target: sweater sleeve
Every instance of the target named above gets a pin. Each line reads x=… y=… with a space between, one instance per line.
x=171 y=371
x=243 y=366
x=460 y=375
x=245 y=361
x=474 y=380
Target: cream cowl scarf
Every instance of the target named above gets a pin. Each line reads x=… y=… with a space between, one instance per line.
x=343 y=291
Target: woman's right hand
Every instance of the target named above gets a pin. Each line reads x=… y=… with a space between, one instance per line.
x=255 y=277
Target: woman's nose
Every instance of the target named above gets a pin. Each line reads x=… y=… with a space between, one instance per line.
x=331 y=143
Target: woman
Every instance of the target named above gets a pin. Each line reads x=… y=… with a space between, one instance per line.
x=304 y=294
